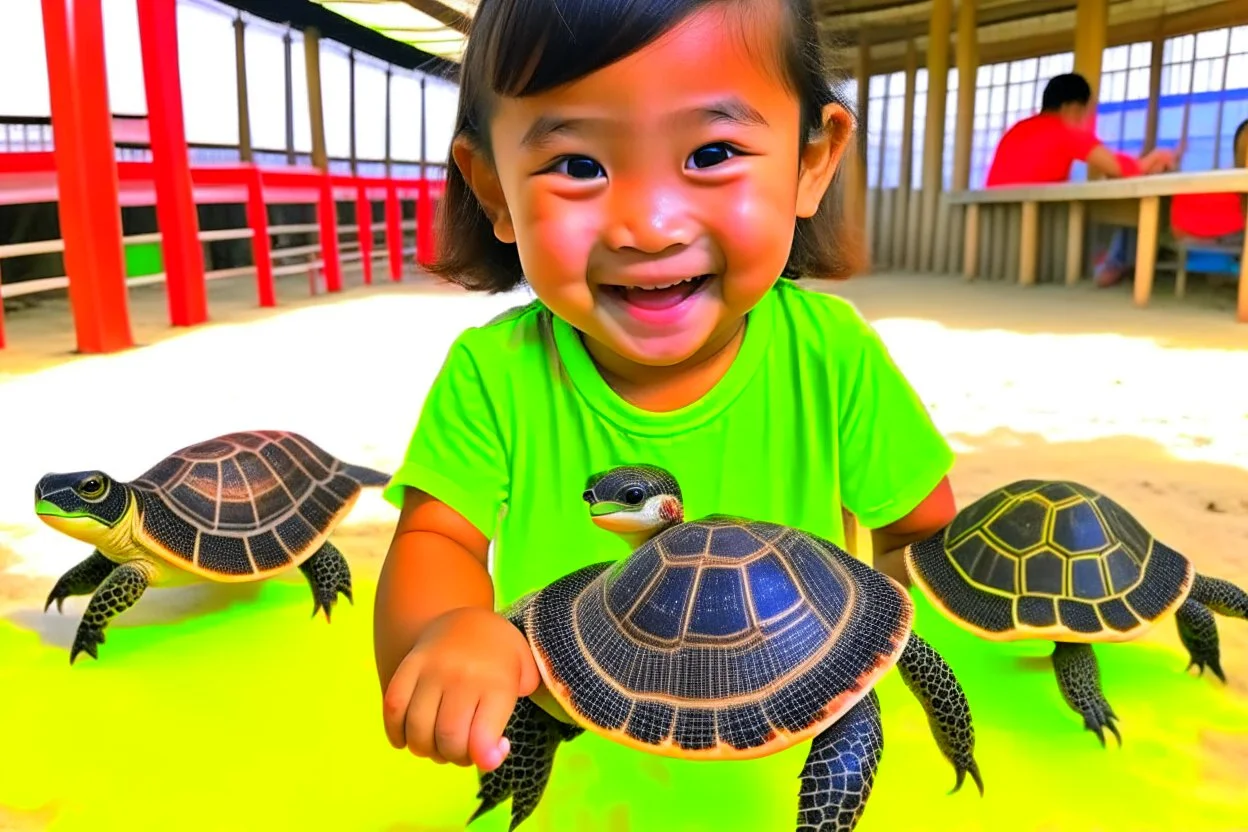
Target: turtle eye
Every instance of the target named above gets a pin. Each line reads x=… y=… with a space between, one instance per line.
x=91 y=487
x=634 y=495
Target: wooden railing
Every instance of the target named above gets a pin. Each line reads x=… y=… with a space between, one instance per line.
x=1147 y=191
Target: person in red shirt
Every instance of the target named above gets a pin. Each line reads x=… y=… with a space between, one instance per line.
x=1195 y=218
x=1042 y=148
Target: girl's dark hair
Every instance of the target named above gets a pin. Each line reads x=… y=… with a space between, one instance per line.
x=525 y=47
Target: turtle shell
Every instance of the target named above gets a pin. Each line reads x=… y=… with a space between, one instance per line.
x=243 y=506
x=720 y=638
x=1050 y=559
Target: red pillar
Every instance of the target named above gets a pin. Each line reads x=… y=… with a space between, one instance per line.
x=261 y=251
x=364 y=225
x=86 y=165
x=327 y=212
x=394 y=231
x=424 y=224
x=175 y=204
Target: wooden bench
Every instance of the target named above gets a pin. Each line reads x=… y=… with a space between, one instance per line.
x=1147 y=191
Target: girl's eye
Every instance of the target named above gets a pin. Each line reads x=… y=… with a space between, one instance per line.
x=579 y=167
x=711 y=155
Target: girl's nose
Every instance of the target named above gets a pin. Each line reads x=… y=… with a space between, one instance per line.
x=647 y=218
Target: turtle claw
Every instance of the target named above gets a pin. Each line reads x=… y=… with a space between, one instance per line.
x=86 y=641
x=1213 y=664
x=1099 y=719
x=972 y=768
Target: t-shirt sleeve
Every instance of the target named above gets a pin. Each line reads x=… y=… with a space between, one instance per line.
x=892 y=455
x=456 y=453
x=1080 y=143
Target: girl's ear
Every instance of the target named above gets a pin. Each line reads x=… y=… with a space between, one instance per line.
x=481 y=177
x=820 y=159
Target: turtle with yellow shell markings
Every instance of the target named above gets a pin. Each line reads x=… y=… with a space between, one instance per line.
x=1057 y=560
x=240 y=507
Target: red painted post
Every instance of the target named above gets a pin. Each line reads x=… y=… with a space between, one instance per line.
x=327 y=216
x=394 y=231
x=364 y=224
x=261 y=251
x=175 y=202
x=424 y=225
x=88 y=203
x=1 y=314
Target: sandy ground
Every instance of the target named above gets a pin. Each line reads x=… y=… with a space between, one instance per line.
x=1149 y=405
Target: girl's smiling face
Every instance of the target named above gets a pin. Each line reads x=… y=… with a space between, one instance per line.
x=653 y=202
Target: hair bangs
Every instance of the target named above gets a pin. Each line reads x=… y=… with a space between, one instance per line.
x=532 y=46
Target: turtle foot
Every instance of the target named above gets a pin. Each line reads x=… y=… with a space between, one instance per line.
x=86 y=641
x=963 y=768
x=328 y=575
x=1097 y=717
x=1198 y=630
x=1214 y=663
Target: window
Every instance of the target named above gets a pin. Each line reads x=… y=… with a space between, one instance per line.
x=404 y=116
x=265 y=52
x=209 y=76
x=370 y=108
x=1204 y=95
x=886 y=102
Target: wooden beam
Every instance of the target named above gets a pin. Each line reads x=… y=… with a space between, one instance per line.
x=901 y=212
x=240 y=75
x=316 y=114
x=443 y=14
x=934 y=132
x=1091 y=35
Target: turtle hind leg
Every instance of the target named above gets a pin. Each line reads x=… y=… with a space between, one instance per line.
x=1221 y=596
x=1199 y=633
x=840 y=768
x=82 y=579
x=534 y=736
x=117 y=593
x=328 y=574
x=931 y=680
x=1080 y=680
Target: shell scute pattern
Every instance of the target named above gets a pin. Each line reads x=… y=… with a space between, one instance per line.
x=250 y=502
x=1050 y=554
x=719 y=631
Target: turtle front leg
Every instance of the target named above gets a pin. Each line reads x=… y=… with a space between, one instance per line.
x=82 y=579
x=1080 y=680
x=118 y=593
x=328 y=574
x=1199 y=633
x=931 y=680
x=840 y=768
x=534 y=736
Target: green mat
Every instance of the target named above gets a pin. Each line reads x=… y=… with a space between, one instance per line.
x=254 y=716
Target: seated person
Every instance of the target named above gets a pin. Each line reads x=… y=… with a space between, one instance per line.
x=1209 y=218
x=1042 y=148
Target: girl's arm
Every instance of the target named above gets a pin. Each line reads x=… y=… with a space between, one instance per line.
x=930 y=516
x=450 y=667
x=436 y=563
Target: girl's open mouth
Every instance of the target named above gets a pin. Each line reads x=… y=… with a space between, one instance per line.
x=659 y=298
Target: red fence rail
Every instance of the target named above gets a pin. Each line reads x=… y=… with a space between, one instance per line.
x=32 y=177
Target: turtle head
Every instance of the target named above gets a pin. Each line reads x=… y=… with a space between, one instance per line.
x=84 y=504
x=634 y=500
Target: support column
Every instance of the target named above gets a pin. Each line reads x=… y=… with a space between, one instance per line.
x=1154 y=92
x=964 y=135
x=88 y=204
x=175 y=203
x=424 y=202
x=364 y=231
x=240 y=74
x=901 y=211
x=1091 y=34
x=316 y=114
x=394 y=232
x=934 y=135
x=854 y=175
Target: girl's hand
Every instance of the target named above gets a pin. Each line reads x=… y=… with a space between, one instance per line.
x=451 y=696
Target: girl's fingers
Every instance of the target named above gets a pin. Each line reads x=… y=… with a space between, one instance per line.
x=486 y=743
x=450 y=730
x=421 y=717
x=398 y=699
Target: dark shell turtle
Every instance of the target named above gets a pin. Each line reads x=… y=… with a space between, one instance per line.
x=238 y=507
x=721 y=638
x=1055 y=559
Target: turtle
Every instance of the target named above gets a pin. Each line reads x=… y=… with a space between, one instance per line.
x=721 y=638
x=242 y=506
x=1056 y=559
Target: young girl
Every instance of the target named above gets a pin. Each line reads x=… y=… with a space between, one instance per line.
x=656 y=173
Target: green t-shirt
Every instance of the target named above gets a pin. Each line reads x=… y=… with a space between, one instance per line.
x=812 y=415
